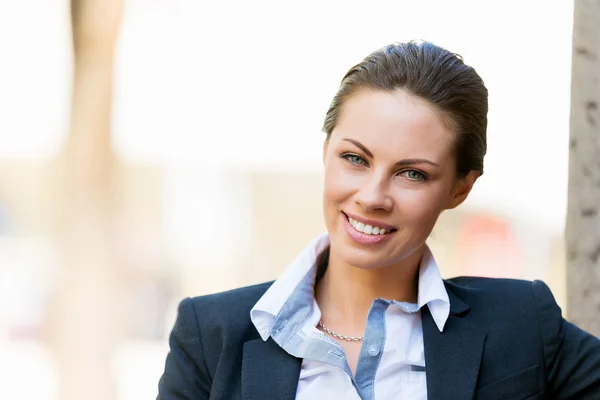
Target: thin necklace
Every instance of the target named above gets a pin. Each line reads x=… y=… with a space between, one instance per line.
x=342 y=337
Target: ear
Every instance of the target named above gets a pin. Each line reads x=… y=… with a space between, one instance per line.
x=462 y=188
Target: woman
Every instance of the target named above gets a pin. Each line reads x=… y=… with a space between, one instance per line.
x=363 y=312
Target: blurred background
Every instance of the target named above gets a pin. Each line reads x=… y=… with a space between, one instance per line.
x=177 y=152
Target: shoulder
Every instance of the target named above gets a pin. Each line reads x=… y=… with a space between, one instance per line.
x=519 y=289
x=221 y=312
x=475 y=282
x=241 y=297
x=529 y=298
x=232 y=303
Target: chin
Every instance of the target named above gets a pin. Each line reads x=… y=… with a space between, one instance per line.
x=362 y=258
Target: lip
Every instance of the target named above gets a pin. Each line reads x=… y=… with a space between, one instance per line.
x=363 y=238
x=370 y=221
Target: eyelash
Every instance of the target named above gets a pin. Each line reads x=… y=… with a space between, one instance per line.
x=348 y=156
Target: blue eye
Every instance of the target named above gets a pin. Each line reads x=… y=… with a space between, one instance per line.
x=354 y=159
x=415 y=175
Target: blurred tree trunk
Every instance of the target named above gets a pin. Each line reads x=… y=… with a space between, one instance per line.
x=583 y=218
x=85 y=310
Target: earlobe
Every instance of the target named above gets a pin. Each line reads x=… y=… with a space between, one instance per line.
x=462 y=188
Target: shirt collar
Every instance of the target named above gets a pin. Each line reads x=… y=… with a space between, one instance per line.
x=432 y=291
x=301 y=274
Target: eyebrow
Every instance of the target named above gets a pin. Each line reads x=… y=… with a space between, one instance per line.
x=409 y=161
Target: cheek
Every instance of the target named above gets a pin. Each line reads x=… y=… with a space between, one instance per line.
x=331 y=200
x=337 y=184
x=421 y=207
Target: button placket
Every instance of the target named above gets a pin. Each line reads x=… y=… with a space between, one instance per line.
x=373 y=344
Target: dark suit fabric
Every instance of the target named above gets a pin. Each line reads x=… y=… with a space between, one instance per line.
x=504 y=340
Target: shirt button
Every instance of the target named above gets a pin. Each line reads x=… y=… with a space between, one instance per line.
x=373 y=350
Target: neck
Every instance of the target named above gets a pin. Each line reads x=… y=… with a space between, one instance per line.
x=345 y=293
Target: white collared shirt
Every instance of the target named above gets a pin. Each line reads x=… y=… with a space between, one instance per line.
x=391 y=364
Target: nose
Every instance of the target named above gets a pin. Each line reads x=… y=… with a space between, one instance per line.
x=373 y=195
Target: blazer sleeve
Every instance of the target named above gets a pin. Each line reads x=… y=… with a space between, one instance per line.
x=185 y=376
x=572 y=356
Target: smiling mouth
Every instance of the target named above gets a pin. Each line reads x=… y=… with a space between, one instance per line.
x=368 y=229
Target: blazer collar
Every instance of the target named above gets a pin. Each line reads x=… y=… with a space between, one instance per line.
x=268 y=371
x=458 y=306
x=452 y=357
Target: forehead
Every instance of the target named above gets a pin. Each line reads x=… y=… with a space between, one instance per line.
x=396 y=121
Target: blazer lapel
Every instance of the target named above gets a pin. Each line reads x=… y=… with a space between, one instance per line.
x=452 y=357
x=268 y=371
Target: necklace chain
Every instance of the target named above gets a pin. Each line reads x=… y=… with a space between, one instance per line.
x=342 y=337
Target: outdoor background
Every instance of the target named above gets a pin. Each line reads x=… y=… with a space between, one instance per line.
x=212 y=176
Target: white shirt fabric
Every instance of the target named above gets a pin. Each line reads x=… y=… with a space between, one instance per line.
x=289 y=314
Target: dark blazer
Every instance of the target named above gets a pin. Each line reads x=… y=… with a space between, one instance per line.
x=504 y=340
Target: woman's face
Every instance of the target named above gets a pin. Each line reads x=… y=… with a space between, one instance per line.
x=389 y=168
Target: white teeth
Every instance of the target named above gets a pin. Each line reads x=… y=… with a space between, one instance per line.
x=367 y=229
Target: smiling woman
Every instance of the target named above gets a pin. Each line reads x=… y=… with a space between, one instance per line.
x=363 y=312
